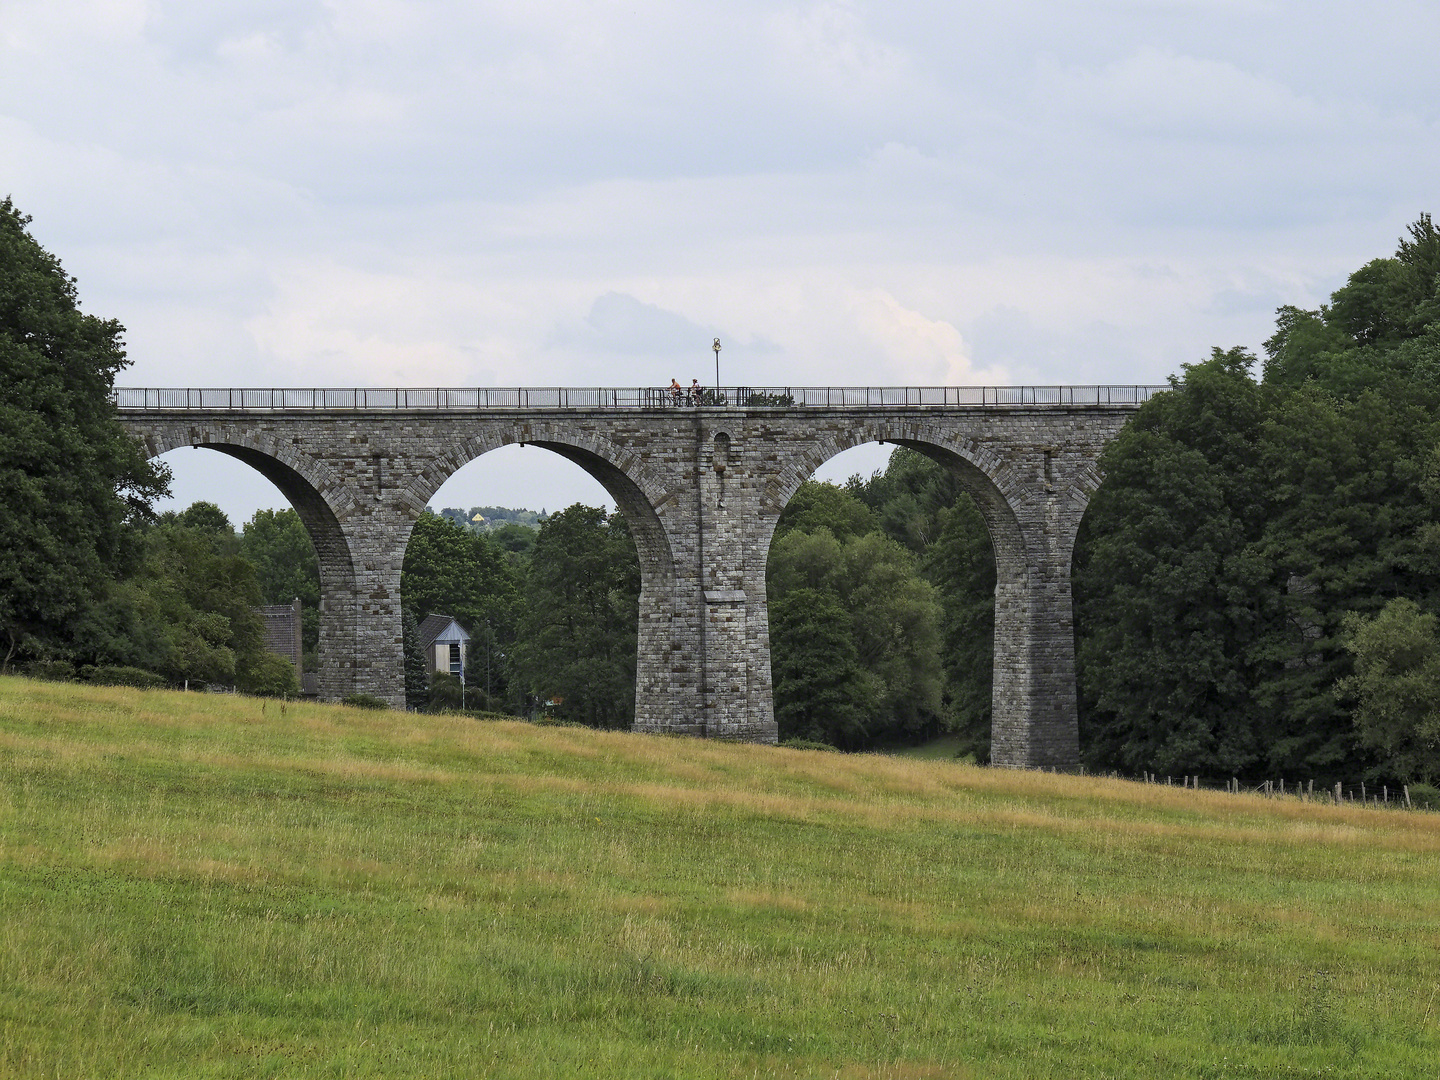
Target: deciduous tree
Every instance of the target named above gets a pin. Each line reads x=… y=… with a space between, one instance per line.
x=1396 y=688
x=276 y=543
x=70 y=479
x=576 y=635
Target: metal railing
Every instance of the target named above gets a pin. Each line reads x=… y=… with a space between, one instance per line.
x=480 y=399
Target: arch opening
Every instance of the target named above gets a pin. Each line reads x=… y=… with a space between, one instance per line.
x=899 y=568
x=589 y=591
x=328 y=640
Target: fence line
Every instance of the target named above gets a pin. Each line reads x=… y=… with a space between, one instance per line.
x=1380 y=796
x=452 y=399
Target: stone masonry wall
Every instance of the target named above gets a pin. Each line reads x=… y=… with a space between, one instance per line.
x=702 y=489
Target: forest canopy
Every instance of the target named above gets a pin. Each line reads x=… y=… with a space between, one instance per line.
x=1254 y=522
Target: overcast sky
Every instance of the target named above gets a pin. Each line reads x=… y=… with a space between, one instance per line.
x=393 y=193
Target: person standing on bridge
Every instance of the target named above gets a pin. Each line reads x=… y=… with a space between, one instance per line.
x=696 y=391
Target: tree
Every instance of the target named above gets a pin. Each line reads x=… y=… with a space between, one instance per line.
x=1169 y=598
x=819 y=505
x=1346 y=519
x=909 y=497
x=1396 y=688
x=71 y=480
x=1380 y=329
x=517 y=541
x=890 y=633
x=208 y=519
x=198 y=596
x=278 y=545
x=920 y=504
x=1242 y=528
x=459 y=573
x=961 y=565
x=821 y=693
x=896 y=619
x=576 y=636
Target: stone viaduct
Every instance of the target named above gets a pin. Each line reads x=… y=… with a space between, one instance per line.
x=701 y=488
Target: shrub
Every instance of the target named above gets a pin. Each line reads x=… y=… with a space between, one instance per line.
x=268 y=675
x=122 y=675
x=785 y=400
x=808 y=744
x=445 y=692
x=364 y=701
x=49 y=670
x=1425 y=796
x=549 y=720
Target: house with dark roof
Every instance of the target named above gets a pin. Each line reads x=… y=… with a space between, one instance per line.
x=445 y=643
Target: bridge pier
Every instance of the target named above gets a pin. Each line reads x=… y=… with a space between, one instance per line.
x=1034 y=713
x=705 y=665
x=738 y=701
x=362 y=648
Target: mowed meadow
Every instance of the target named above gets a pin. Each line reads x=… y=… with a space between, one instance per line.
x=205 y=886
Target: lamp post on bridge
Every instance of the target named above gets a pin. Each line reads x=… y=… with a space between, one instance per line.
x=716 y=347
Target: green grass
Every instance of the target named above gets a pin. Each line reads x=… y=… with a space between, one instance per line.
x=196 y=886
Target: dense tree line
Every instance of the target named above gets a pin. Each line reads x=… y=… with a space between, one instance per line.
x=90 y=580
x=1256 y=580
x=551 y=618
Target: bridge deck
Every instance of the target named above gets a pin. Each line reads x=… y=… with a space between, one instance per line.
x=470 y=398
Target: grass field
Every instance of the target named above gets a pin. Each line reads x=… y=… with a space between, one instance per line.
x=196 y=886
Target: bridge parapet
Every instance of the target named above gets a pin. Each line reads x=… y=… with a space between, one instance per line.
x=486 y=398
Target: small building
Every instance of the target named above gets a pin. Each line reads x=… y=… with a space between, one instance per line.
x=445 y=644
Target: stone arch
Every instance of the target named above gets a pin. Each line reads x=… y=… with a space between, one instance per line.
x=629 y=480
x=1030 y=520
x=637 y=489
x=982 y=474
x=322 y=502
x=274 y=459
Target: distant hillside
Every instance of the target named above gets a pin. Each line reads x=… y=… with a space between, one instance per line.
x=198 y=885
x=488 y=518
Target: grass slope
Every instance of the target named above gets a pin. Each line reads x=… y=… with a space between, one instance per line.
x=195 y=886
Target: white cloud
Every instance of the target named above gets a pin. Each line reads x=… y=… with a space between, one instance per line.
x=342 y=325
x=931 y=349
x=830 y=53
x=1155 y=92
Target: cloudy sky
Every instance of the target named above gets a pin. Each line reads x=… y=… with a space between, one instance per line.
x=499 y=192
